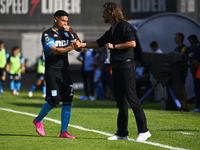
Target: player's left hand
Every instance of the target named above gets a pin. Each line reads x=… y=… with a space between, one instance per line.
x=68 y=28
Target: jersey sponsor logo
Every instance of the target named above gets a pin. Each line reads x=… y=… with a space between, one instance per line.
x=55 y=35
x=62 y=43
x=50 y=42
x=17 y=7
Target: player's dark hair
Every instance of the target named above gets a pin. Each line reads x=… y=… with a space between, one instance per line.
x=1 y=42
x=181 y=35
x=153 y=44
x=193 y=39
x=14 y=48
x=60 y=13
x=114 y=10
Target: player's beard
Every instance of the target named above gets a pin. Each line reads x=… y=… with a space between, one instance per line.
x=61 y=29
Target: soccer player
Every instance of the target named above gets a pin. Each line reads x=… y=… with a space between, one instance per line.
x=3 y=58
x=40 y=77
x=15 y=66
x=56 y=43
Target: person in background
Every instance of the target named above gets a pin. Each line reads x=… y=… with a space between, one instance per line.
x=195 y=66
x=98 y=83
x=155 y=48
x=106 y=76
x=4 y=55
x=40 y=76
x=56 y=42
x=158 y=90
x=120 y=40
x=15 y=67
x=142 y=78
x=87 y=58
x=179 y=38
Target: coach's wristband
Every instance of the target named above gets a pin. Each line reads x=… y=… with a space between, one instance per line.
x=114 y=46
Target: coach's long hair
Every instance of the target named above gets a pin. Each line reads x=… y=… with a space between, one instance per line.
x=114 y=10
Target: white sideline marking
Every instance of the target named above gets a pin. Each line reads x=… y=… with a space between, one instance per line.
x=96 y=131
x=187 y=133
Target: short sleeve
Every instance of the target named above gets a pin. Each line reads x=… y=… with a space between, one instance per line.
x=47 y=41
x=128 y=32
x=7 y=55
x=104 y=39
x=22 y=59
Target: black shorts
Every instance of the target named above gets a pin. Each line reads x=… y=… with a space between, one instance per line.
x=2 y=72
x=59 y=87
x=16 y=77
x=40 y=76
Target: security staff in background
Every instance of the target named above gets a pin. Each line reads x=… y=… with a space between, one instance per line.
x=195 y=68
x=179 y=38
x=120 y=39
x=4 y=55
x=56 y=44
x=40 y=77
x=15 y=66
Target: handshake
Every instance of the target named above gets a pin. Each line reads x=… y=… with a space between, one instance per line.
x=76 y=44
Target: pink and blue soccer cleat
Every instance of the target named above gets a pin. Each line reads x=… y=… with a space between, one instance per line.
x=39 y=127
x=66 y=135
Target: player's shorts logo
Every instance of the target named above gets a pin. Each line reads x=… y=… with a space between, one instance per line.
x=54 y=92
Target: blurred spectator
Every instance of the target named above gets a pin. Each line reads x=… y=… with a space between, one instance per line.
x=3 y=59
x=106 y=77
x=142 y=78
x=155 y=48
x=97 y=82
x=15 y=66
x=40 y=76
x=179 y=38
x=86 y=57
x=195 y=65
x=158 y=90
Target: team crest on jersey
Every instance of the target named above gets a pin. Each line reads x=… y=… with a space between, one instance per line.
x=47 y=39
x=66 y=34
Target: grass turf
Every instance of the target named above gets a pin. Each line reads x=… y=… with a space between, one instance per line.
x=173 y=128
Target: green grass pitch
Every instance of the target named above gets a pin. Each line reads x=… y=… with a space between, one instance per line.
x=169 y=129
